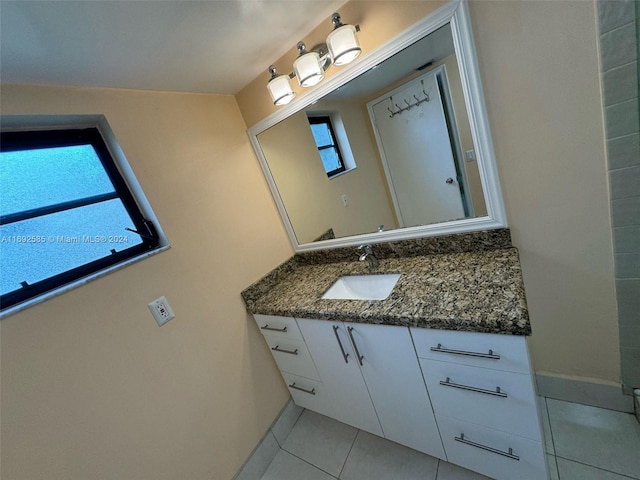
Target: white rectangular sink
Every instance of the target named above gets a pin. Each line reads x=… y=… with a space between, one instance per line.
x=362 y=287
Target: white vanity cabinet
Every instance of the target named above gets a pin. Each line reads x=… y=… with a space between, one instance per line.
x=372 y=371
x=465 y=397
x=483 y=395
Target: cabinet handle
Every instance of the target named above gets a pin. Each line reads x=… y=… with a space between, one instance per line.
x=508 y=454
x=278 y=349
x=344 y=354
x=355 y=347
x=490 y=355
x=310 y=392
x=495 y=392
x=267 y=327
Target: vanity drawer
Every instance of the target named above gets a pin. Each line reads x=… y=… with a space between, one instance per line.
x=487 y=350
x=308 y=393
x=278 y=327
x=500 y=400
x=486 y=451
x=292 y=356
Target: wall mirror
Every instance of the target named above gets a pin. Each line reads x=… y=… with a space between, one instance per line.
x=396 y=146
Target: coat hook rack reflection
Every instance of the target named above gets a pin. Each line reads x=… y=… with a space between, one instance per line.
x=409 y=106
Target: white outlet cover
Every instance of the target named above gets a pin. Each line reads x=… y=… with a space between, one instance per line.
x=161 y=310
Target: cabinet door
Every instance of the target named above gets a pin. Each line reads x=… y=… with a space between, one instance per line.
x=392 y=374
x=328 y=344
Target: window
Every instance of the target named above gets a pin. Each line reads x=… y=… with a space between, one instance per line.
x=325 y=138
x=66 y=212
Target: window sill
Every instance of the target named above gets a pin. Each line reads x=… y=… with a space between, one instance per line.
x=342 y=173
x=82 y=281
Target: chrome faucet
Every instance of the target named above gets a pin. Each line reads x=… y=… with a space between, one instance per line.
x=367 y=255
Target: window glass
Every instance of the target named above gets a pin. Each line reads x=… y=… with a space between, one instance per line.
x=47 y=176
x=328 y=148
x=322 y=134
x=330 y=159
x=65 y=212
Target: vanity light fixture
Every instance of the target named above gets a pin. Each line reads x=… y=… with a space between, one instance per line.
x=342 y=47
x=308 y=67
x=279 y=87
x=342 y=42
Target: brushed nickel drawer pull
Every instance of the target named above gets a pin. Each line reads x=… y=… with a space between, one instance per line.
x=310 y=392
x=355 y=347
x=497 y=392
x=508 y=454
x=345 y=355
x=278 y=349
x=267 y=327
x=441 y=349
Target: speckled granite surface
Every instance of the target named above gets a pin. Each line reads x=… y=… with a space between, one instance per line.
x=479 y=291
x=468 y=282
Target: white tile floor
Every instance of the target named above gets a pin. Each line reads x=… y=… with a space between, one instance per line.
x=583 y=443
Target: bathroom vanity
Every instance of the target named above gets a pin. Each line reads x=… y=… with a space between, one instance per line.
x=441 y=365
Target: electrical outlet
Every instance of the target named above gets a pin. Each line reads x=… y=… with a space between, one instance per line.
x=161 y=311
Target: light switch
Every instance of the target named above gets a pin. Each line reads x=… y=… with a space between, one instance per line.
x=471 y=155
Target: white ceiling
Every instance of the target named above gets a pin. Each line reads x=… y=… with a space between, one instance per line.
x=207 y=46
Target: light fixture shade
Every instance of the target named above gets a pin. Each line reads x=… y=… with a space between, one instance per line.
x=343 y=45
x=308 y=69
x=280 y=88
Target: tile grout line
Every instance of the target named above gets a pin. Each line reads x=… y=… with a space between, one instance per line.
x=619 y=27
x=556 y=456
x=620 y=66
x=290 y=430
x=555 y=462
x=350 y=449
x=308 y=462
x=615 y=104
x=553 y=442
x=596 y=467
x=621 y=136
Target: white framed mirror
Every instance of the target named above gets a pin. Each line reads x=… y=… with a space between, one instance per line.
x=393 y=147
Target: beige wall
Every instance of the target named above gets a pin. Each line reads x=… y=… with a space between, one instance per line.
x=91 y=387
x=542 y=89
x=541 y=85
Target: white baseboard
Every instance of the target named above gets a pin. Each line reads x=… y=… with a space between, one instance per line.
x=585 y=391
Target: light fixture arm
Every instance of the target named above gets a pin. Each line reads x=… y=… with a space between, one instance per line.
x=302 y=48
x=337 y=22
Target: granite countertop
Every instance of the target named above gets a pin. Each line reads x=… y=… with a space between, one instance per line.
x=480 y=291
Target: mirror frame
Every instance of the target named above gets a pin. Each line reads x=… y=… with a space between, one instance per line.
x=456 y=13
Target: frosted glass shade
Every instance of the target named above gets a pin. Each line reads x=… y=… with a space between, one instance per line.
x=280 y=90
x=308 y=69
x=343 y=45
